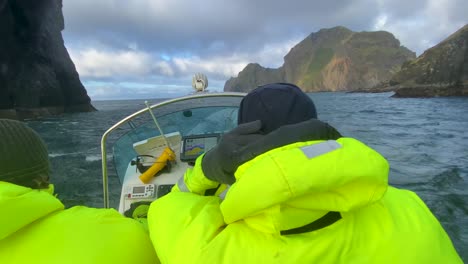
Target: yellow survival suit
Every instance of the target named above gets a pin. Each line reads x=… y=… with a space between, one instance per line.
x=35 y=228
x=267 y=214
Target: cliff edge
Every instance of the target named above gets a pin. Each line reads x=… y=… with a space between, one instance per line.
x=440 y=71
x=37 y=76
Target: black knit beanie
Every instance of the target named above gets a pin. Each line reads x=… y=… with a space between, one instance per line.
x=23 y=154
x=276 y=105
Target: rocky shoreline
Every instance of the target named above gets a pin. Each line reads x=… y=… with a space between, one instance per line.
x=423 y=91
x=419 y=91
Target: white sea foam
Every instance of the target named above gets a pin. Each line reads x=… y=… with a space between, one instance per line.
x=93 y=158
x=53 y=155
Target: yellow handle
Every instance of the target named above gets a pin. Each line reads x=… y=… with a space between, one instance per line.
x=159 y=164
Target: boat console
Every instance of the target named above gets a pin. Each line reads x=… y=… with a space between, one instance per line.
x=189 y=126
x=187 y=149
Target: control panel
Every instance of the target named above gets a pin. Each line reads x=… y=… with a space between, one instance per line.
x=142 y=191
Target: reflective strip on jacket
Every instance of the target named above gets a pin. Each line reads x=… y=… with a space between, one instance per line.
x=35 y=228
x=290 y=187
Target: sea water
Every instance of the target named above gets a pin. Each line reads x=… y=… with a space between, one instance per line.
x=424 y=140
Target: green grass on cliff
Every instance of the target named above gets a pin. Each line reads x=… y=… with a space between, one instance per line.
x=322 y=57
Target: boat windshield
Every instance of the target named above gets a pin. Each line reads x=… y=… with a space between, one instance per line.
x=196 y=115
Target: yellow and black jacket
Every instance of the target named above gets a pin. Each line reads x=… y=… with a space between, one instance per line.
x=279 y=208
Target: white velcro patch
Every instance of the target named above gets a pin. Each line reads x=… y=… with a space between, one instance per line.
x=315 y=150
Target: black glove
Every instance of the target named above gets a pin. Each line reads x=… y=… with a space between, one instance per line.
x=245 y=143
x=220 y=163
x=138 y=210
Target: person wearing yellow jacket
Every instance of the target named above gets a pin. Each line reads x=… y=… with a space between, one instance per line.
x=293 y=190
x=35 y=227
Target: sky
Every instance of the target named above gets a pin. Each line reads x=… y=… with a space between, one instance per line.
x=139 y=49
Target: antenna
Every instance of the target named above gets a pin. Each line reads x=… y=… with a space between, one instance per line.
x=163 y=160
x=157 y=124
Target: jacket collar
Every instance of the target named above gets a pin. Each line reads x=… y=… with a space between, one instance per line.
x=21 y=206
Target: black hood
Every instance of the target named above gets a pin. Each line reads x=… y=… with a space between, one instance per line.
x=276 y=105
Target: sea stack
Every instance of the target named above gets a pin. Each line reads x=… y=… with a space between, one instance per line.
x=37 y=76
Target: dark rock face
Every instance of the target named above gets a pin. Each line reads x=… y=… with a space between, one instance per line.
x=335 y=59
x=37 y=76
x=440 y=71
x=431 y=91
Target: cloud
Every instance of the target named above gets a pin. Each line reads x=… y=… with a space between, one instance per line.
x=175 y=26
x=164 y=68
x=166 y=42
x=101 y=64
x=218 y=27
x=115 y=91
x=123 y=65
x=120 y=65
x=421 y=24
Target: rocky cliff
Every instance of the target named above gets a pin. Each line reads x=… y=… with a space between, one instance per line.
x=440 y=71
x=252 y=76
x=37 y=76
x=335 y=59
